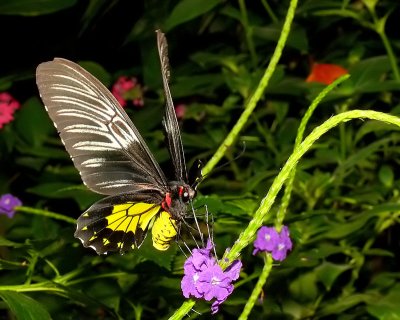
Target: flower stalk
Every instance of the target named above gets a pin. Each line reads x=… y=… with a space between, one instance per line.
x=252 y=102
x=258 y=288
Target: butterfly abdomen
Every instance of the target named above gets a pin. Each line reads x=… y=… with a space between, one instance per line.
x=164 y=231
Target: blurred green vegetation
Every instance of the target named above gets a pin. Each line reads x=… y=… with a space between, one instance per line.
x=344 y=211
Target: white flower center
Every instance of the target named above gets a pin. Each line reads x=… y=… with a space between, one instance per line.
x=267 y=237
x=195 y=277
x=215 y=280
x=281 y=246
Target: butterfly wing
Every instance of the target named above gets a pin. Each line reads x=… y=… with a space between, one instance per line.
x=112 y=159
x=120 y=223
x=105 y=146
x=170 y=121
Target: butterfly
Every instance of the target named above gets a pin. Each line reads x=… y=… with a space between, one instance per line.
x=114 y=160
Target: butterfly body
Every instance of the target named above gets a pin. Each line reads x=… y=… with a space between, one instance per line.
x=114 y=160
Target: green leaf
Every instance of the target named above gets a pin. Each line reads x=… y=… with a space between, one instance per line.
x=11 y=265
x=304 y=287
x=187 y=10
x=195 y=85
x=7 y=243
x=366 y=75
x=370 y=4
x=328 y=272
x=55 y=190
x=162 y=258
x=344 y=303
x=24 y=307
x=61 y=190
x=34 y=7
x=95 y=9
x=386 y=176
x=376 y=127
x=33 y=123
x=387 y=308
x=297 y=37
x=98 y=71
x=215 y=205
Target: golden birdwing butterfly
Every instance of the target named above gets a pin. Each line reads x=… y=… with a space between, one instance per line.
x=114 y=160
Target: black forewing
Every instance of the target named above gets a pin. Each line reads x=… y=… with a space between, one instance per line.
x=170 y=121
x=105 y=146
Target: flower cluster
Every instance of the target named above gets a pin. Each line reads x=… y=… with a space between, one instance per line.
x=325 y=73
x=128 y=89
x=8 y=203
x=205 y=279
x=269 y=240
x=8 y=105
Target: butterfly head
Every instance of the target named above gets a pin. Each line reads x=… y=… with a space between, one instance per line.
x=176 y=201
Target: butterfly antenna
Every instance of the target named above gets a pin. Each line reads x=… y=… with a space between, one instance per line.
x=197 y=223
x=226 y=163
x=180 y=248
x=178 y=238
x=195 y=311
x=170 y=121
x=190 y=228
x=210 y=230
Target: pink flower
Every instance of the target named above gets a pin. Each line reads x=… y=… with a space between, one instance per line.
x=8 y=105
x=128 y=89
x=180 y=110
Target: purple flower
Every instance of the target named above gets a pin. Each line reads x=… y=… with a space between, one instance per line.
x=189 y=283
x=215 y=306
x=283 y=245
x=214 y=283
x=204 y=278
x=233 y=271
x=269 y=240
x=7 y=204
x=200 y=260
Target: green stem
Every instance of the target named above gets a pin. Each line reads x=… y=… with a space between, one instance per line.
x=269 y=11
x=248 y=33
x=231 y=137
x=44 y=286
x=258 y=288
x=248 y=234
x=45 y=213
x=391 y=55
x=379 y=27
x=184 y=310
x=300 y=133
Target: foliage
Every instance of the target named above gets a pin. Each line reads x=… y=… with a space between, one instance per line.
x=342 y=208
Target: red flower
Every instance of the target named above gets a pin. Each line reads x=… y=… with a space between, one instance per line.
x=8 y=105
x=180 y=110
x=128 y=89
x=325 y=73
